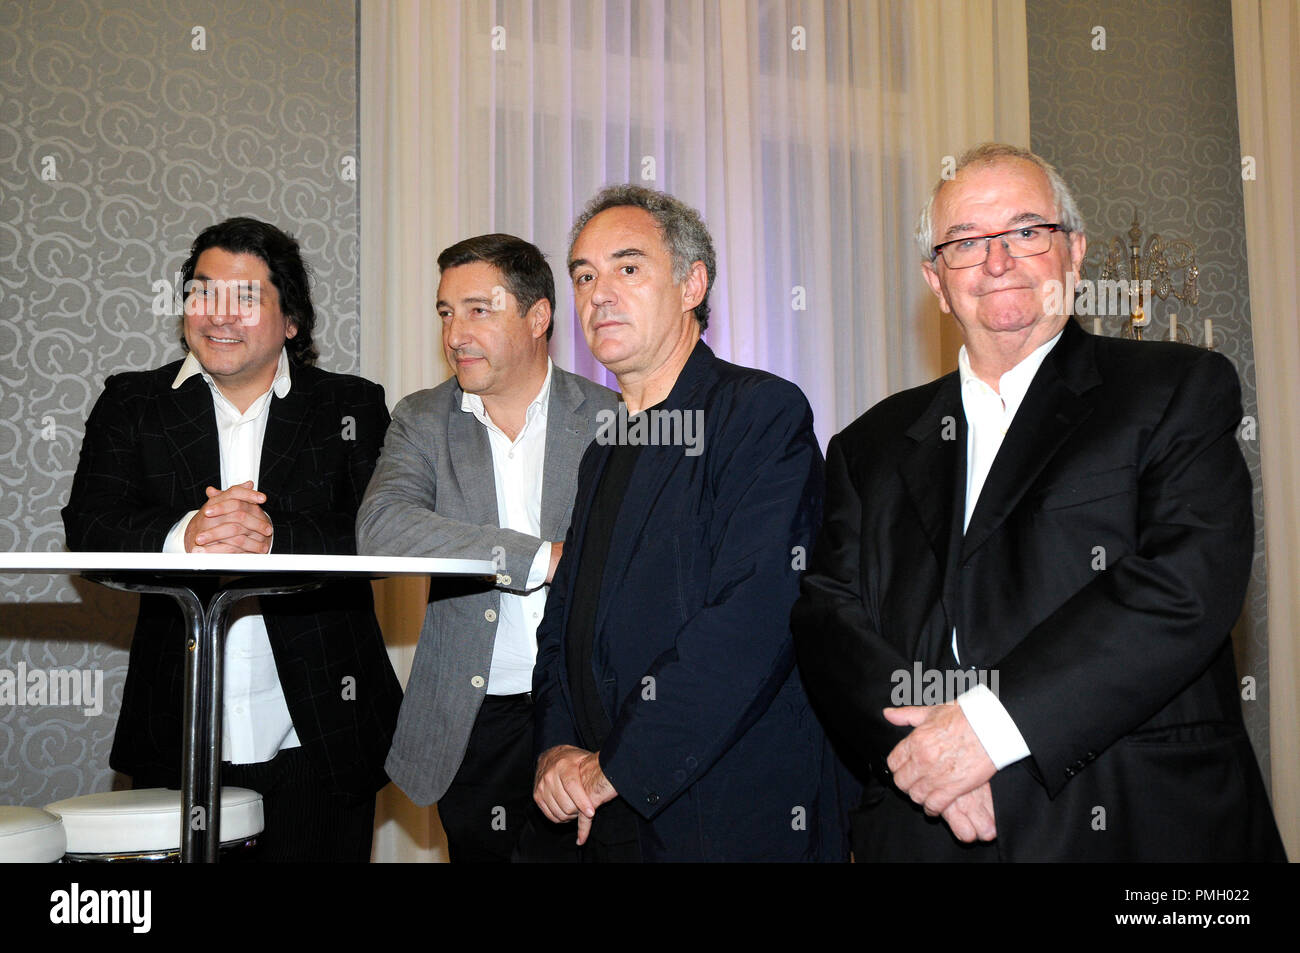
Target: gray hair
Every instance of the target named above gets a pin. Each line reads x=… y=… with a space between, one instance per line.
x=680 y=225
x=987 y=154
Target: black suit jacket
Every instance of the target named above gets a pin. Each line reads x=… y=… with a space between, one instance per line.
x=148 y=453
x=713 y=744
x=1100 y=575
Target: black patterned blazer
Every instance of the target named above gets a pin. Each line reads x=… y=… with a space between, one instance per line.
x=147 y=455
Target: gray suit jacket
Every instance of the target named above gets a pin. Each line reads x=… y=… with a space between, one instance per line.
x=433 y=494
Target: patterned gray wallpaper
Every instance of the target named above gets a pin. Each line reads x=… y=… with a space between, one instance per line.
x=126 y=127
x=1136 y=105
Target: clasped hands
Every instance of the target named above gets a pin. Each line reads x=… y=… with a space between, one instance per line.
x=942 y=766
x=570 y=783
x=231 y=521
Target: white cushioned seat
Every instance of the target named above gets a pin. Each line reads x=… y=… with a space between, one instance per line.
x=148 y=820
x=29 y=835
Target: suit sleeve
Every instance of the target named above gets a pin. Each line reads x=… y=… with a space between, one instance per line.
x=109 y=508
x=398 y=515
x=845 y=663
x=330 y=528
x=1122 y=647
x=733 y=655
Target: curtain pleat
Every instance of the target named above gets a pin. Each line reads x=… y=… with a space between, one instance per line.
x=1266 y=52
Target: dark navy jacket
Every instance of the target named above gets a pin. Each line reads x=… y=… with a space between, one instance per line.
x=714 y=745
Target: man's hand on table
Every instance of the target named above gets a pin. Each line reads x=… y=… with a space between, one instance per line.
x=231 y=521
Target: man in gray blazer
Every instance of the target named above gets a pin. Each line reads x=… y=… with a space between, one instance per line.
x=482 y=467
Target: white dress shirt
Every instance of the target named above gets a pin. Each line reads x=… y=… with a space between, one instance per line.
x=517 y=473
x=255 y=720
x=989 y=414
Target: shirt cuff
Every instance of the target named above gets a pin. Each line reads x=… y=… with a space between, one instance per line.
x=541 y=563
x=993 y=726
x=175 y=541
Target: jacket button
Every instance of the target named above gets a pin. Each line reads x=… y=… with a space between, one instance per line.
x=490 y=615
x=1070 y=772
x=503 y=580
x=652 y=798
x=477 y=681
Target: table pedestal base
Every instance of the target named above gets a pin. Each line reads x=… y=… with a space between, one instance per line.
x=205 y=653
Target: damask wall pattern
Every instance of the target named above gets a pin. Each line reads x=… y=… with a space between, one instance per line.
x=1136 y=105
x=126 y=127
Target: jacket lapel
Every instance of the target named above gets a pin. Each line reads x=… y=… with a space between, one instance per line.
x=470 y=451
x=933 y=477
x=286 y=432
x=1052 y=410
x=929 y=472
x=190 y=425
x=649 y=476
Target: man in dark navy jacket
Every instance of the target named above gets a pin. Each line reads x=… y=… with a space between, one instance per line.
x=672 y=724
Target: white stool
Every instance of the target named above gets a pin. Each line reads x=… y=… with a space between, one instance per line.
x=145 y=824
x=29 y=835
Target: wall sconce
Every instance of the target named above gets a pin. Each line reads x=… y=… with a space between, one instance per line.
x=1141 y=274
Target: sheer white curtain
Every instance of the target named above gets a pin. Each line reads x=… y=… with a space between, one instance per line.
x=806 y=133
x=1266 y=49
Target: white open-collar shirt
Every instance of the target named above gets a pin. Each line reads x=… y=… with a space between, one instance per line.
x=255 y=720
x=517 y=467
x=989 y=414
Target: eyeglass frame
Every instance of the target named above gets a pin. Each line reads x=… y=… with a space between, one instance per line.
x=1052 y=227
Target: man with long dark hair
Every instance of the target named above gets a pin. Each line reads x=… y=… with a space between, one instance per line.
x=246 y=447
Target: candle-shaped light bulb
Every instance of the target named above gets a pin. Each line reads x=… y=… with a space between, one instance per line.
x=1209 y=332
x=1173 y=327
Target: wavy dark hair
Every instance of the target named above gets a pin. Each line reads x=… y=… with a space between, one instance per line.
x=522 y=265
x=283 y=260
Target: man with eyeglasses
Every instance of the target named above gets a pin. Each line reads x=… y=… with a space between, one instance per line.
x=1016 y=619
